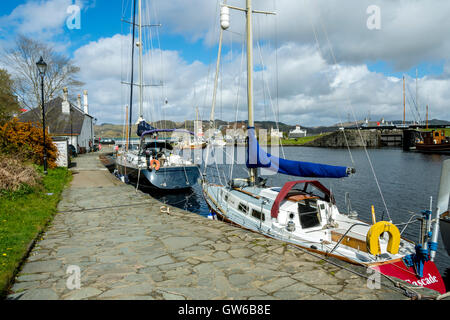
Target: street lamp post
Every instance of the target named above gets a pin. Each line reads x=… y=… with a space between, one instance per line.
x=42 y=67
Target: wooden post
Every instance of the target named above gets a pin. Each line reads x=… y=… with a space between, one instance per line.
x=374 y=220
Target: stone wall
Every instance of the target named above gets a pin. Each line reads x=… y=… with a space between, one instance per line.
x=337 y=139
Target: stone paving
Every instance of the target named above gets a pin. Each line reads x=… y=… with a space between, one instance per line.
x=126 y=247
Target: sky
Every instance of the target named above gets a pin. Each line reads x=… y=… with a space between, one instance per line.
x=316 y=62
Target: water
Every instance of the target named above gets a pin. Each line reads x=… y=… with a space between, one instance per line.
x=406 y=179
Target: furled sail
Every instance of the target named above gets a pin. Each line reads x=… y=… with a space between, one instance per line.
x=142 y=127
x=259 y=158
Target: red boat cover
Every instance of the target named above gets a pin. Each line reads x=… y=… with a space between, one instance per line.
x=288 y=187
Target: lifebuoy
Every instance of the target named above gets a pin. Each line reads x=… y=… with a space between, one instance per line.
x=155 y=164
x=373 y=237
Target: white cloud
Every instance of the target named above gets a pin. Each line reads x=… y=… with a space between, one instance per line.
x=41 y=18
x=411 y=31
x=312 y=89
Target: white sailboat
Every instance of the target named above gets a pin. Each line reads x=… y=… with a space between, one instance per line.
x=304 y=212
x=153 y=163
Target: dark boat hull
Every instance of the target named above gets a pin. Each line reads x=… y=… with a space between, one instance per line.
x=166 y=178
x=433 y=148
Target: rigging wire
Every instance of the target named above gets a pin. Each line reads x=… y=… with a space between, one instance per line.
x=239 y=83
x=330 y=83
x=354 y=117
x=266 y=87
x=215 y=23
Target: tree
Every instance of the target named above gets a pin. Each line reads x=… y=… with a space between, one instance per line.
x=61 y=72
x=8 y=101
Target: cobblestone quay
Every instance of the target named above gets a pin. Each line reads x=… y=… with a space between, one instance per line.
x=125 y=247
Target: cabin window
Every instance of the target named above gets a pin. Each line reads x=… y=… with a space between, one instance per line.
x=242 y=207
x=258 y=215
x=308 y=213
x=225 y=197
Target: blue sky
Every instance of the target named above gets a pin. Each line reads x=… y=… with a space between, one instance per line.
x=102 y=19
x=313 y=88
x=434 y=68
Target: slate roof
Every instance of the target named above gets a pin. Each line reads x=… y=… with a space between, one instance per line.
x=57 y=122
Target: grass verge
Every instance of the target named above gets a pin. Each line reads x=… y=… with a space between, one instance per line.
x=297 y=141
x=23 y=215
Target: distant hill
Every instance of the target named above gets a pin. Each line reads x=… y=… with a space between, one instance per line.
x=107 y=130
x=434 y=122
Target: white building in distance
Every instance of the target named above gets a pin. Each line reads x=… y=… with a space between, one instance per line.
x=297 y=132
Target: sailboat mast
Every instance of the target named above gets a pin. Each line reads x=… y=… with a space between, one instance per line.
x=249 y=64
x=404 y=102
x=132 y=67
x=417 y=97
x=141 y=72
x=253 y=172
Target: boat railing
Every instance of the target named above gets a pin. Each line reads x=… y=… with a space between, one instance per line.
x=344 y=235
x=407 y=223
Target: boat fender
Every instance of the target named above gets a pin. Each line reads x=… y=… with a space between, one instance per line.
x=373 y=237
x=155 y=164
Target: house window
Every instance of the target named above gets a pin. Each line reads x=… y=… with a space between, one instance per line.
x=243 y=208
x=258 y=215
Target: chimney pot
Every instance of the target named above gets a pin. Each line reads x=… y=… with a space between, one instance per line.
x=85 y=102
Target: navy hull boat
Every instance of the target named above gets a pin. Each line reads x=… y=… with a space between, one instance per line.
x=154 y=165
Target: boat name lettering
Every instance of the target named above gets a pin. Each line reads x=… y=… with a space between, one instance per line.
x=424 y=281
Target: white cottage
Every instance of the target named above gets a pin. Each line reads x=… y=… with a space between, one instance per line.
x=64 y=119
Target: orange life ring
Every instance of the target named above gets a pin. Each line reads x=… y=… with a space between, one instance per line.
x=155 y=164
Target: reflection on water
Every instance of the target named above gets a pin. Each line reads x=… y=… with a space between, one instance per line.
x=407 y=181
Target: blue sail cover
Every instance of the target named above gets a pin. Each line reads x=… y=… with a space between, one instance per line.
x=259 y=158
x=142 y=127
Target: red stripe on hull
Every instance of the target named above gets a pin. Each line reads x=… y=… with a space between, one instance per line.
x=431 y=277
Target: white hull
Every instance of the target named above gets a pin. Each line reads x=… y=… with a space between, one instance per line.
x=322 y=237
